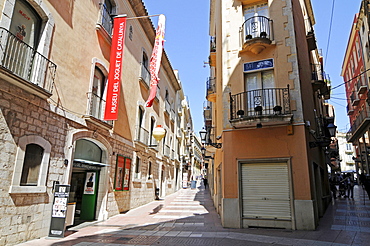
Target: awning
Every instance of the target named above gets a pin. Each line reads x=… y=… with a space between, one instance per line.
x=94 y=163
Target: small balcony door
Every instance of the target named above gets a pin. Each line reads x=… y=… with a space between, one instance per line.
x=257 y=95
x=254 y=25
x=22 y=45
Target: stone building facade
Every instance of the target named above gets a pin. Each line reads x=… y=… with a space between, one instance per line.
x=54 y=63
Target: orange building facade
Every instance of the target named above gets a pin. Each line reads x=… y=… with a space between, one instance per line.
x=267 y=131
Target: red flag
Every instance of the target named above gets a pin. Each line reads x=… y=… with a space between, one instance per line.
x=155 y=59
x=115 y=68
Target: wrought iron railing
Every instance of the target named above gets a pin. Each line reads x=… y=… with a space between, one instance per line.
x=97 y=107
x=106 y=19
x=173 y=154
x=349 y=109
x=363 y=114
x=317 y=72
x=211 y=86
x=25 y=62
x=257 y=27
x=354 y=99
x=142 y=135
x=167 y=107
x=145 y=74
x=263 y=102
x=167 y=151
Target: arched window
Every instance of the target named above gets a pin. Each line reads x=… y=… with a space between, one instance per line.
x=97 y=96
x=25 y=23
x=31 y=164
x=145 y=74
x=30 y=171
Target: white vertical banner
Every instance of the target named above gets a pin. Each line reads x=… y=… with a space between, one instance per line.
x=155 y=59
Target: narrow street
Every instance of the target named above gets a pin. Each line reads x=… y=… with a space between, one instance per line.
x=188 y=217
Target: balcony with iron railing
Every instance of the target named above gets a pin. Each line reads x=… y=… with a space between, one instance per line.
x=173 y=153
x=310 y=35
x=263 y=106
x=105 y=23
x=142 y=135
x=256 y=34
x=359 y=126
x=207 y=114
x=350 y=110
x=167 y=107
x=212 y=49
x=96 y=111
x=361 y=85
x=320 y=81
x=211 y=89
x=145 y=76
x=23 y=61
x=354 y=99
x=167 y=151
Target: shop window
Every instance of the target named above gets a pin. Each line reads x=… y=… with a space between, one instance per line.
x=31 y=165
x=122 y=177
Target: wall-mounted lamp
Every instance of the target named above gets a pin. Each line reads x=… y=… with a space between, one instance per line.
x=332 y=129
x=203 y=136
x=159 y=133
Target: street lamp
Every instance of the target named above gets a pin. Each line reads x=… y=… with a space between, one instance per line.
x=203 y=137
x=332 y=129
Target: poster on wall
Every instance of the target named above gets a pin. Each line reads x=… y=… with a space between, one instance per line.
x=89 y=187
x=123 y=169
x=126 y=180
x=119 y=173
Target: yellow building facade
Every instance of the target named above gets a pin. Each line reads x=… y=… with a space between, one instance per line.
x=266 y=124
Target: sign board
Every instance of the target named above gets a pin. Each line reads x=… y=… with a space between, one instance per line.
x=59 y=210
x=258 y=65
x=90 y=183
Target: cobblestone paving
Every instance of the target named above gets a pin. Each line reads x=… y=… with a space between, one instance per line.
x=189 y=218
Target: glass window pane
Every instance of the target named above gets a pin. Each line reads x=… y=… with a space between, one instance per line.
x=31 y=165
x=268 y=79
x=25 y=23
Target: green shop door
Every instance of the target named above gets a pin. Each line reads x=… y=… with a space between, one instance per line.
x=89 y=196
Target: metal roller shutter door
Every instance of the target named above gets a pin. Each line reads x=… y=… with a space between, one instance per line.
x=265 y=191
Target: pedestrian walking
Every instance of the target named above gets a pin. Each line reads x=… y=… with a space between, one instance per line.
x=205 y=182
x=351 y=184
x=333 y=187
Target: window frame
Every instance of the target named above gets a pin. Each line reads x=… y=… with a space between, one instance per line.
x=47 y=23
x=18 y=167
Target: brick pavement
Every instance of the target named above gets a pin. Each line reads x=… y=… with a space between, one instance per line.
x=189 y=218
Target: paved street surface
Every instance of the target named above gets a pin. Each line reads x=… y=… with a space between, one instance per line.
x=188 y=217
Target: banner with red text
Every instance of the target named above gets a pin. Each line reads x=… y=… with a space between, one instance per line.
x=155 y=60
x=115 y=68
